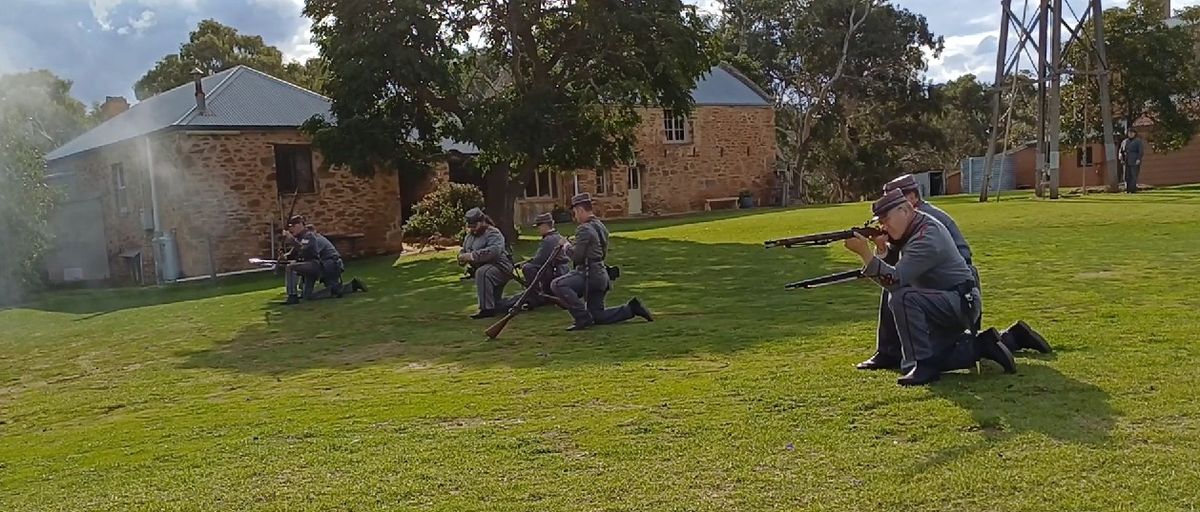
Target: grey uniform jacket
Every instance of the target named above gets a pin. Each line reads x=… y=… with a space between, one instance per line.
x=591 y=244
x=315 y=247
x=549 y=242
x=928 y=259
x=937 y=213
x=487 y=248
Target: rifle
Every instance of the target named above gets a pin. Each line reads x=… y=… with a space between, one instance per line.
x=819 y=239
x=816 y=282
x=495 y=329
x=269 y=263
x=291 y=211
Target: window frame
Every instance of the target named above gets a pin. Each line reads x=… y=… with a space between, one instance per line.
x=536 y=183
x=294 y=151
x=120 y=188
x=676 y=125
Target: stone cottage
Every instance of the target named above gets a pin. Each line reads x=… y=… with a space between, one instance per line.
x=725 y=148
x=198 y=179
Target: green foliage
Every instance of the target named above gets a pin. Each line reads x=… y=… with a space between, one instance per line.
x=1155 y=73
x=441 y=212
x=964 y=116
x=37 y=114
x=544 y=86
x=214 y=47
x=839 y=70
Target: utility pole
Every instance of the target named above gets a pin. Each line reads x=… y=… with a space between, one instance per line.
x=1046 y=58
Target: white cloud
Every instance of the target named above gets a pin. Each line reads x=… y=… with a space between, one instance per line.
x=146 y=20
x=102 y=12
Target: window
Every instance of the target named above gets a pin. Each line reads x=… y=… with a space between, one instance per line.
x=293 y=170
x=120 y=192
x=676 y=127
x=603 y=183
x=543 y=184
x=1083 y=157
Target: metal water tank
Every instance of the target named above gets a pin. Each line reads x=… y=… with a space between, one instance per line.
x=166 y=252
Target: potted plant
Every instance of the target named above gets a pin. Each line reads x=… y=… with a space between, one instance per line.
x=745 y=199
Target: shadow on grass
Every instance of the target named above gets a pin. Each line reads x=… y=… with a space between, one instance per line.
x=1039 y=399
x=715 y=298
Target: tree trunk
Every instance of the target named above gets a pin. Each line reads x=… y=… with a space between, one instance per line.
x=498 y=202
x=500 y=195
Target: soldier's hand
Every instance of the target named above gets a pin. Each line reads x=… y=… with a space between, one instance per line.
x=881 y=248
x=858 y=245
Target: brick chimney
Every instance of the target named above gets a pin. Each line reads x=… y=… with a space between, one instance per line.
x=201 y=106
x=113 y=106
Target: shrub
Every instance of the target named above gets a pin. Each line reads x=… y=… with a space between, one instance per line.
x=441 y=212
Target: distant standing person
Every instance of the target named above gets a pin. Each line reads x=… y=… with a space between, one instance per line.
x=1132 y=151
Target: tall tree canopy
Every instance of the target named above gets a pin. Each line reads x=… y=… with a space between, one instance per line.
x=1155 y=72
x=533 y=84
x=37 y=114
x=832 y=64
x=964 y=116
x=214 y=47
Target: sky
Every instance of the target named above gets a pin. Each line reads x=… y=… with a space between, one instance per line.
x=104 y=46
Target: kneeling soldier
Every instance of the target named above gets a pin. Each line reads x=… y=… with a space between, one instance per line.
x=590 y=277
x=550 y=241
x=485 y=252
x=316 y=260
x=933 y=296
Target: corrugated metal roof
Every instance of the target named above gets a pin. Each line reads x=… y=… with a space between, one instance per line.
x=253 y=98
x=245 y=97
x=237 y=97
x=155 y=113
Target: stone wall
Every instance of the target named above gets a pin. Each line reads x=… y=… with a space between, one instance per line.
x=220 y=188
x=731 y=149
x=124 y=229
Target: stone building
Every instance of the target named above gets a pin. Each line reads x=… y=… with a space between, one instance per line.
x=196 y=180
x=724 y=149
x=201 y=177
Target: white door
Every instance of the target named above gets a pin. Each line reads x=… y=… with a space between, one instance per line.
x=635 y=190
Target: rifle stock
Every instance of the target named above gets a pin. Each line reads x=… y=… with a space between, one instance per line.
x=495 y=329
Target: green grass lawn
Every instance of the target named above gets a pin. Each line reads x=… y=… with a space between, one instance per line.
x=742 y=396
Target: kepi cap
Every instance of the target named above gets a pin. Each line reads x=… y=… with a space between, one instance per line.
x=579 y=199
x=296 y=219
x=543 y=218
x=890 y=199
x=906 y=184
x=474 y=215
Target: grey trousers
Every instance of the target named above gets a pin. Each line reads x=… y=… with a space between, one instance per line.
x=489 y=285
x=926 y=325
x=592 y=286
x=310 y=271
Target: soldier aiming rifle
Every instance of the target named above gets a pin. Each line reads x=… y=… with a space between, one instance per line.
x=311 y=258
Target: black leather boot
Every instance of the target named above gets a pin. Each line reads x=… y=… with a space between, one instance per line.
x=357 y=285
x=292 y=300
x=639 y=309
x=1025 y=337
x=923 y=373
x=990 y=347
x=484 y=313
x=880 y=361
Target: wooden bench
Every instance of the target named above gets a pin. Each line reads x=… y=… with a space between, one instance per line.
x=349 y=237
x=708 y=203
